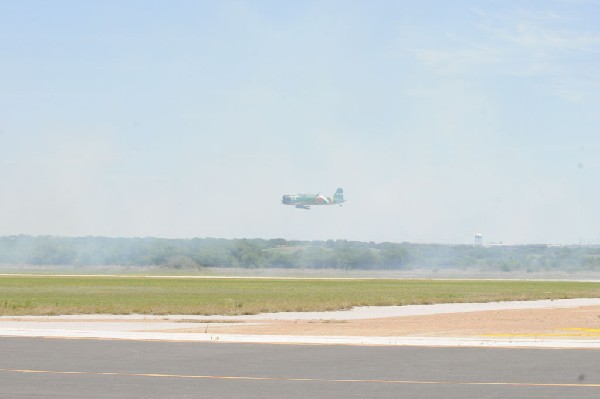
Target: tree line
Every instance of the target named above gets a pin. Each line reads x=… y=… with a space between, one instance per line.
x=196 y=253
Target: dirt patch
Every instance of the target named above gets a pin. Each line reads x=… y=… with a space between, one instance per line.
x=581 y=322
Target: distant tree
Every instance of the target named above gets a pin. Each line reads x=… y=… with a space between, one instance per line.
x=181 y=262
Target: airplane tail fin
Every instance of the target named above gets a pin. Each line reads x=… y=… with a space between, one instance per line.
x=338 y=197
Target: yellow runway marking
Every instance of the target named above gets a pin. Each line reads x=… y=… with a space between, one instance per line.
x=248 y=378
x=569 y=332
x=518 y=335
x=588 y=330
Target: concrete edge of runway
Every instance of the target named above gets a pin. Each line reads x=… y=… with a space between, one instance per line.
x=310 y=340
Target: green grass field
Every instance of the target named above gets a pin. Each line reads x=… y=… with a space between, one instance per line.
x=52 y=295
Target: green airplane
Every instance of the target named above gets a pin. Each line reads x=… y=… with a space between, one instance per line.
x=305 y=201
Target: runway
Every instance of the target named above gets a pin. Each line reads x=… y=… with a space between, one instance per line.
x=133 y=356
x=75 y=368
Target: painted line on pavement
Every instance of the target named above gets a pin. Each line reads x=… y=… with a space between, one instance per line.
x=292 y=379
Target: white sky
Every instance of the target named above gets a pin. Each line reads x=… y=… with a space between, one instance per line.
x=191 y=119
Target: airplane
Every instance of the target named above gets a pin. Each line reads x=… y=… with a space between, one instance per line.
x=305 y=201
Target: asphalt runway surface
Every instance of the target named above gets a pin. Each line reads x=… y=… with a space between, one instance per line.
x=90 y=368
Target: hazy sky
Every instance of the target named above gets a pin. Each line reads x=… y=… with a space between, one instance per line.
x=440 y=119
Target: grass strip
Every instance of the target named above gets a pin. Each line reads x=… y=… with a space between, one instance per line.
x=52 y=295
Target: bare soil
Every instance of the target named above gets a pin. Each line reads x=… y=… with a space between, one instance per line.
x=580 y=322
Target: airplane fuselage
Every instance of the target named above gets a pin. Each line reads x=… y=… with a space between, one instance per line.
x=305 y=201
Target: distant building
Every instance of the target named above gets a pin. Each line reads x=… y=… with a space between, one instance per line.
x=478 y=239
